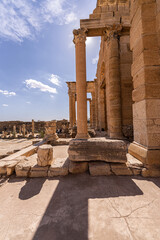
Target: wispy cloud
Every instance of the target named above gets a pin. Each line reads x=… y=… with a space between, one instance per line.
x=22 y=19
x=4 y=105
x=55 y=80
x=28 y=102
x=7 y=93
x=31 y=83
x=95 y=60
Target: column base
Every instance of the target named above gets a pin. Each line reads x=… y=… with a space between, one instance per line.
x=82 y=136
x=149 y=157
x=116 y=135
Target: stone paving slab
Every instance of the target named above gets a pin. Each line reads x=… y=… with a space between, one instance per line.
x=80 y=207
x=8 y=147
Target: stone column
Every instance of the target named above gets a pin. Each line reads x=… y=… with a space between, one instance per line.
x=74 y=109
x=24 y=130
x=91 y=113
x=81 y=85
x=20 y=130
x=14 y=131
x=71 y=109
x=115 y=118
x=146 y=82
x=32 y=128
x=93 y=110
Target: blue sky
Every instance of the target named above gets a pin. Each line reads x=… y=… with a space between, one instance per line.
x=37 y=56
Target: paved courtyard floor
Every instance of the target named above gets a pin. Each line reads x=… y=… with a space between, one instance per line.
x=80 y=207
x=10 y=146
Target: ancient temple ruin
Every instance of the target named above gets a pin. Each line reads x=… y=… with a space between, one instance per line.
x=126 y=90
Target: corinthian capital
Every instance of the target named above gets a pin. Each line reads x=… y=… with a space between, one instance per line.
x=112 y=32
x=80 y=35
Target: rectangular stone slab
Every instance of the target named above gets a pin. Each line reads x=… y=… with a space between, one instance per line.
x=98 y=149
x=59 y=167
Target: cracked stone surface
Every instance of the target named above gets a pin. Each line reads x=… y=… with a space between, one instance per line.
x=80 y=207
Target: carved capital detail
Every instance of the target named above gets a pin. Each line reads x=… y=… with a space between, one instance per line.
x=80 y=35
x=112 y=32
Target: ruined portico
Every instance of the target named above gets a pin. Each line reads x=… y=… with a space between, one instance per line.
x=124 y=47
x=72 y=102
x=111 y=23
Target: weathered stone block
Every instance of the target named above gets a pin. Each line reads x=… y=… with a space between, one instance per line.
x=78 y=167
x=152 y=172
x=60 y=167
x=37 y=171
x=45 y=155
x=121 y=170
x=98 y=149
x=99 y=169
x=23 y=167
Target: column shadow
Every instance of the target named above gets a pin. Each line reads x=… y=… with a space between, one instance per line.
x=31 y=188
x=66 y=217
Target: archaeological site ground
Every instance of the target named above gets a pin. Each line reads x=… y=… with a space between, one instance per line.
x=95 y=178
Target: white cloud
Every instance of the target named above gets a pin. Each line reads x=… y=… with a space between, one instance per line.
x=28 y=102
x=5 y=105
x=95 y=60
x=55 y=80
x=22 y=18
x=7 y=93
x=31 y=83
x=51 y=96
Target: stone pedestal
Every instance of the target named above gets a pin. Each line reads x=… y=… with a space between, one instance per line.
x=98 y=149
x=45 y=155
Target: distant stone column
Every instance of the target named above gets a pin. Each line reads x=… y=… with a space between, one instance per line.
x=14 y=131
x=20 y=130
x=32 y=128
x=24 y=130
x=81 y=85
x=74 y=109
x=93 y=110
x=115 y=119
x=71 y=109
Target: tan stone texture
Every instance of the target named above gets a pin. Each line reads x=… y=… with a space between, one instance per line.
x=60 y=167
x=99 y=169
x=45 y=155
x=78 y=167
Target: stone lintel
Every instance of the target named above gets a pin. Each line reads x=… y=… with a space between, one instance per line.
x=150 y=157
x=96 y=27
x=98 y=149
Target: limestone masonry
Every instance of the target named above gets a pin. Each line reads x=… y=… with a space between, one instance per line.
x=122 y=134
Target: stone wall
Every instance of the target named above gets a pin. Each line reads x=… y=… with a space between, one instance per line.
x=145 y=39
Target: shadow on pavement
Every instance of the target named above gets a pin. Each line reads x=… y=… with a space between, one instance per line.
x=66 y=217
